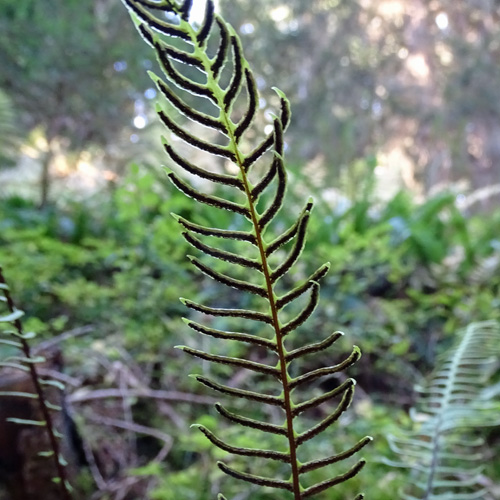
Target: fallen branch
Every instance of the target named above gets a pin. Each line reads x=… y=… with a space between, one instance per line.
x=83 y=395
x=130 y=426
x=75 y=332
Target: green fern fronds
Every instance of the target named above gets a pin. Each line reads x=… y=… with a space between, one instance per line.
x=443 y=452
x=15 y=341
x=250 y=251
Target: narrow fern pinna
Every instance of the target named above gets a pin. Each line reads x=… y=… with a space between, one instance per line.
x=171 y=19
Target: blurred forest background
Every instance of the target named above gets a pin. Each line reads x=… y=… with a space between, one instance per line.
x=395 y=132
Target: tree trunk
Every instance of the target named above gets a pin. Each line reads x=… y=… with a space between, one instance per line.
x=45 y=178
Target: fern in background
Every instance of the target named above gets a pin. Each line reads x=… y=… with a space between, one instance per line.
x=15 y=340
x=9 y=134
x=252 y=254
x=443 y=453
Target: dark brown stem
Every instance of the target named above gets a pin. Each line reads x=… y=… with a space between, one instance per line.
x=49 y=426
x=281 y=351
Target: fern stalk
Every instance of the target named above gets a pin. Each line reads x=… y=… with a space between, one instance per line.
x=223 y=99
x=21 y=338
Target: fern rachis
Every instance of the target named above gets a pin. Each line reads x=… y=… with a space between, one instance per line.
x=175 y=62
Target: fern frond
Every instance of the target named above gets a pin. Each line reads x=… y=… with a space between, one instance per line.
x=446 y=462
x=25 y=361
x=258 y=203
x=303 y=316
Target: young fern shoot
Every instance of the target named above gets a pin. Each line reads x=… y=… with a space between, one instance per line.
x=164 y=24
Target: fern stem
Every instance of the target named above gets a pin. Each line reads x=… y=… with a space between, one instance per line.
x=277 y=329
x=436 y=441
x=35 y=378
x=279 y=337
x=240 y=162
x=429 y=488
x=276 y=323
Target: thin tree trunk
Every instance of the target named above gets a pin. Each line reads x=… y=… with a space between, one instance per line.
x=45 y=178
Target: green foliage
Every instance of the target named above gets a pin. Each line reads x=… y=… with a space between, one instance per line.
x=397 y=300
x=442 y=450
x=259 y=267
x=402 y=309
x=57 y=71
x=102 y=264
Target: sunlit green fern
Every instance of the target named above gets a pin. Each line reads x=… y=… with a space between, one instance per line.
x=444 y=452
x=220 y=79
